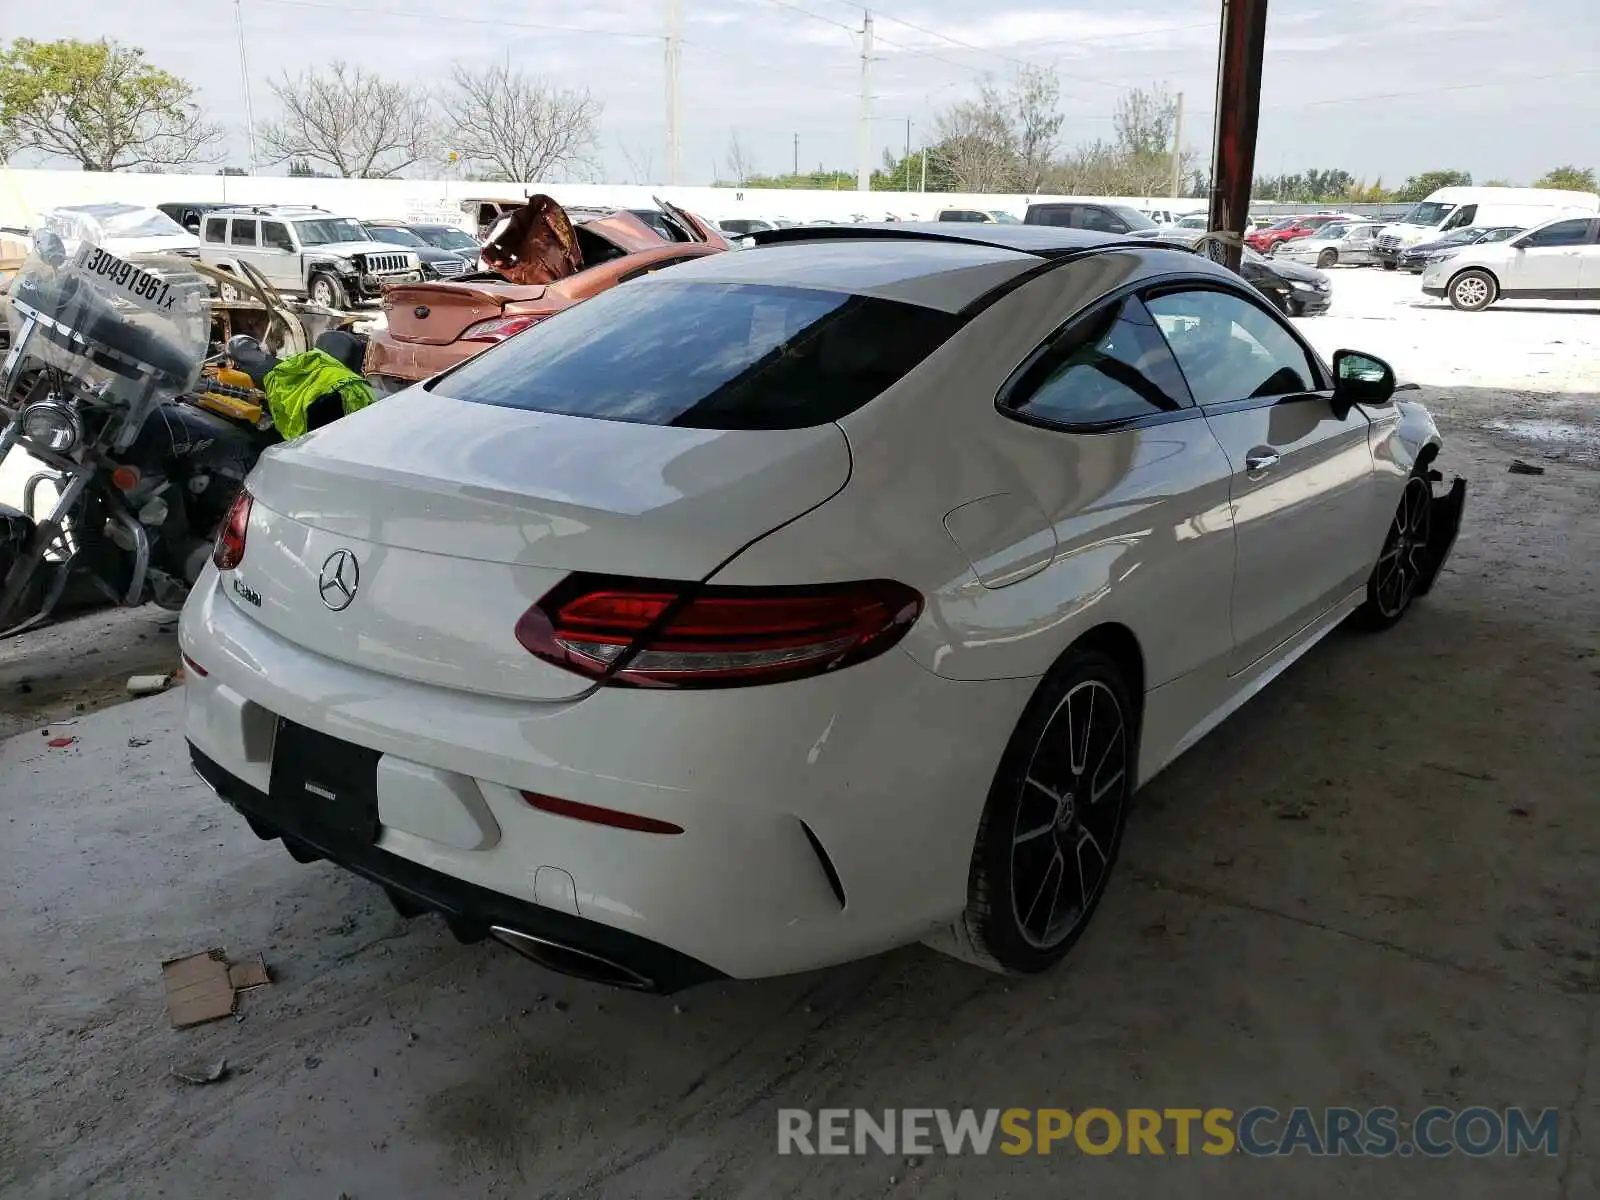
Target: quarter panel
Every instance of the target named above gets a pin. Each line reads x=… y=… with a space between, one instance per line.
x=1140 y=516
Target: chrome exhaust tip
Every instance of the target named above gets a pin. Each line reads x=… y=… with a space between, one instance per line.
x=569 y=960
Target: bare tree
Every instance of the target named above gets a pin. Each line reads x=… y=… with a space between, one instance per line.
x=1035 y=98
x=740 y=164
x=361 y=125
x=975 y=144
x=641 y=163
x=101 y=105
x=1006 y=138
x=519 y=127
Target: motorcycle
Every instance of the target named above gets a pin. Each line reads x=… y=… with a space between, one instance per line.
x=100 y=350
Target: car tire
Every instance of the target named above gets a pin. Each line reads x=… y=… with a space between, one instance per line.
x=327 y=291
x=1038 y=841
x=1327 y=259
x=1391 y=266
x=1395 y=576
x=1472 y=290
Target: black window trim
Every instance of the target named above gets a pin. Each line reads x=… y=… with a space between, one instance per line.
x=1005 y=403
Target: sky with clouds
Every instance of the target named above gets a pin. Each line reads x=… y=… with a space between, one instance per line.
x=1379 y=87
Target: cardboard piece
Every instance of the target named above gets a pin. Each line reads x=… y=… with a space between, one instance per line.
x=248 y=973
x=198 y=988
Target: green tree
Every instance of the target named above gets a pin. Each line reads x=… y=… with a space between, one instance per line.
x=100 y=105
x=1417 y=187
x=1569 y=179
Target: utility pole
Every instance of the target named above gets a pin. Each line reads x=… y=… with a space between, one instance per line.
x=797 y=154
x=1177 y=148
x=673 y=59
x=864 y=133
x=244 y=74
x=923 y=155
x=907 y=158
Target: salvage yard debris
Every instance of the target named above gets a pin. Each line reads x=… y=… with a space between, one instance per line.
x=205 y=987
x=148 y=685
x=202 y=1072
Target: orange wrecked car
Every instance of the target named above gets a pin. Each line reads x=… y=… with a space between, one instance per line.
x=539 y=260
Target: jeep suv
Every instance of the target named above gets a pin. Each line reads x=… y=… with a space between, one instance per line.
x=308 y=252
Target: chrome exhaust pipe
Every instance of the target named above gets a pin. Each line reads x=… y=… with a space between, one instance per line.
x=569 y=960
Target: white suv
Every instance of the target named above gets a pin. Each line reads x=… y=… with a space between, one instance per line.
x=1559 y=260
x=307 y=252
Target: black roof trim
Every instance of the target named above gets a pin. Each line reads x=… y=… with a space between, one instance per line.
x=1039 y=241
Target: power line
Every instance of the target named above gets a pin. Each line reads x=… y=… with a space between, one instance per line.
x=460 y=20
x=746 y=60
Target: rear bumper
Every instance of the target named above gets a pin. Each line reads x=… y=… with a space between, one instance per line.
x=413 y=362
x=567 y=943
x=823 y=820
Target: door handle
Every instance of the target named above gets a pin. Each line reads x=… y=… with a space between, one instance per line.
x=1260 y=460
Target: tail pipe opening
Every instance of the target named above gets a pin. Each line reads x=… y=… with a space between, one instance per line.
x=569 y=960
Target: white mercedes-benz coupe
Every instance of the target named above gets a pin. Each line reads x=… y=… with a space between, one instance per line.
x=783 y=607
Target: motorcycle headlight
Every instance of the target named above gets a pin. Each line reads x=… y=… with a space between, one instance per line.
x=53 y=425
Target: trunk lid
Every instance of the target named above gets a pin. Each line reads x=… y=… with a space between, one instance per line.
x=459 y=516
x=436 y=314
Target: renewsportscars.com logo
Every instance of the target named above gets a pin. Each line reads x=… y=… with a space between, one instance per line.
x=1260 y=1132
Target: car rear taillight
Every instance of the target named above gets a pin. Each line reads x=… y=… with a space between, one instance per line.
x=651 y=633
x=229 y=550
x=498 y=329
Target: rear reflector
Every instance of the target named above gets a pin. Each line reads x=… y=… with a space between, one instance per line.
x=193 y=666
x=649 y=633
x=498 y=329
x=599 y=816
x=229 y=550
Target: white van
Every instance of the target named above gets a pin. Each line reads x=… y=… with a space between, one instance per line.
x=1457 y=207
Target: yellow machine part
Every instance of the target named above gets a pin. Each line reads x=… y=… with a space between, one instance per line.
x=229 y=393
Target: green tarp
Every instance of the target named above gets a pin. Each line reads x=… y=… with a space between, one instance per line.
x=295 y=383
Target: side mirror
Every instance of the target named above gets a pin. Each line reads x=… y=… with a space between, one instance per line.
x=1360 y=379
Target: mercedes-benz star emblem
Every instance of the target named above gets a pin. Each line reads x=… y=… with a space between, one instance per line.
x=340 y=577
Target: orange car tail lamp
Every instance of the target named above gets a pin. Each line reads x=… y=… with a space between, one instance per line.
x=652 y=633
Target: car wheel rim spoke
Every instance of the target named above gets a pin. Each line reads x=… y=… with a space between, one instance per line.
x=1400 y=564
x=1068 y=814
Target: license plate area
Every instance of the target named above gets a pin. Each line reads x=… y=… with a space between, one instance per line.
x=323 y=785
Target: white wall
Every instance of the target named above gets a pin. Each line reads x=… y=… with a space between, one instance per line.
x=25 y=193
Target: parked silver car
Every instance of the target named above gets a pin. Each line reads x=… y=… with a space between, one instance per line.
x=1348 y=243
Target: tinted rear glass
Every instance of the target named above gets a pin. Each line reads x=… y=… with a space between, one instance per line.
x=707 y=356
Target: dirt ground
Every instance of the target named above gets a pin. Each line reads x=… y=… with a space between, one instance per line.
x=1377 y=884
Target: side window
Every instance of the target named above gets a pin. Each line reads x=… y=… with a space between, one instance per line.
x=1102 y=221
x=1229 y=349
x=1111 y=366
x=217 y=229
x=275 y=234
x=1562 y=233
x=244 y=232
x=1060 y=216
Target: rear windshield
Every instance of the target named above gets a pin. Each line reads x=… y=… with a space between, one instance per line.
x=707 y=356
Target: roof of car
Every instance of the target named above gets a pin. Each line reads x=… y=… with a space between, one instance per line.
x=916 y=264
